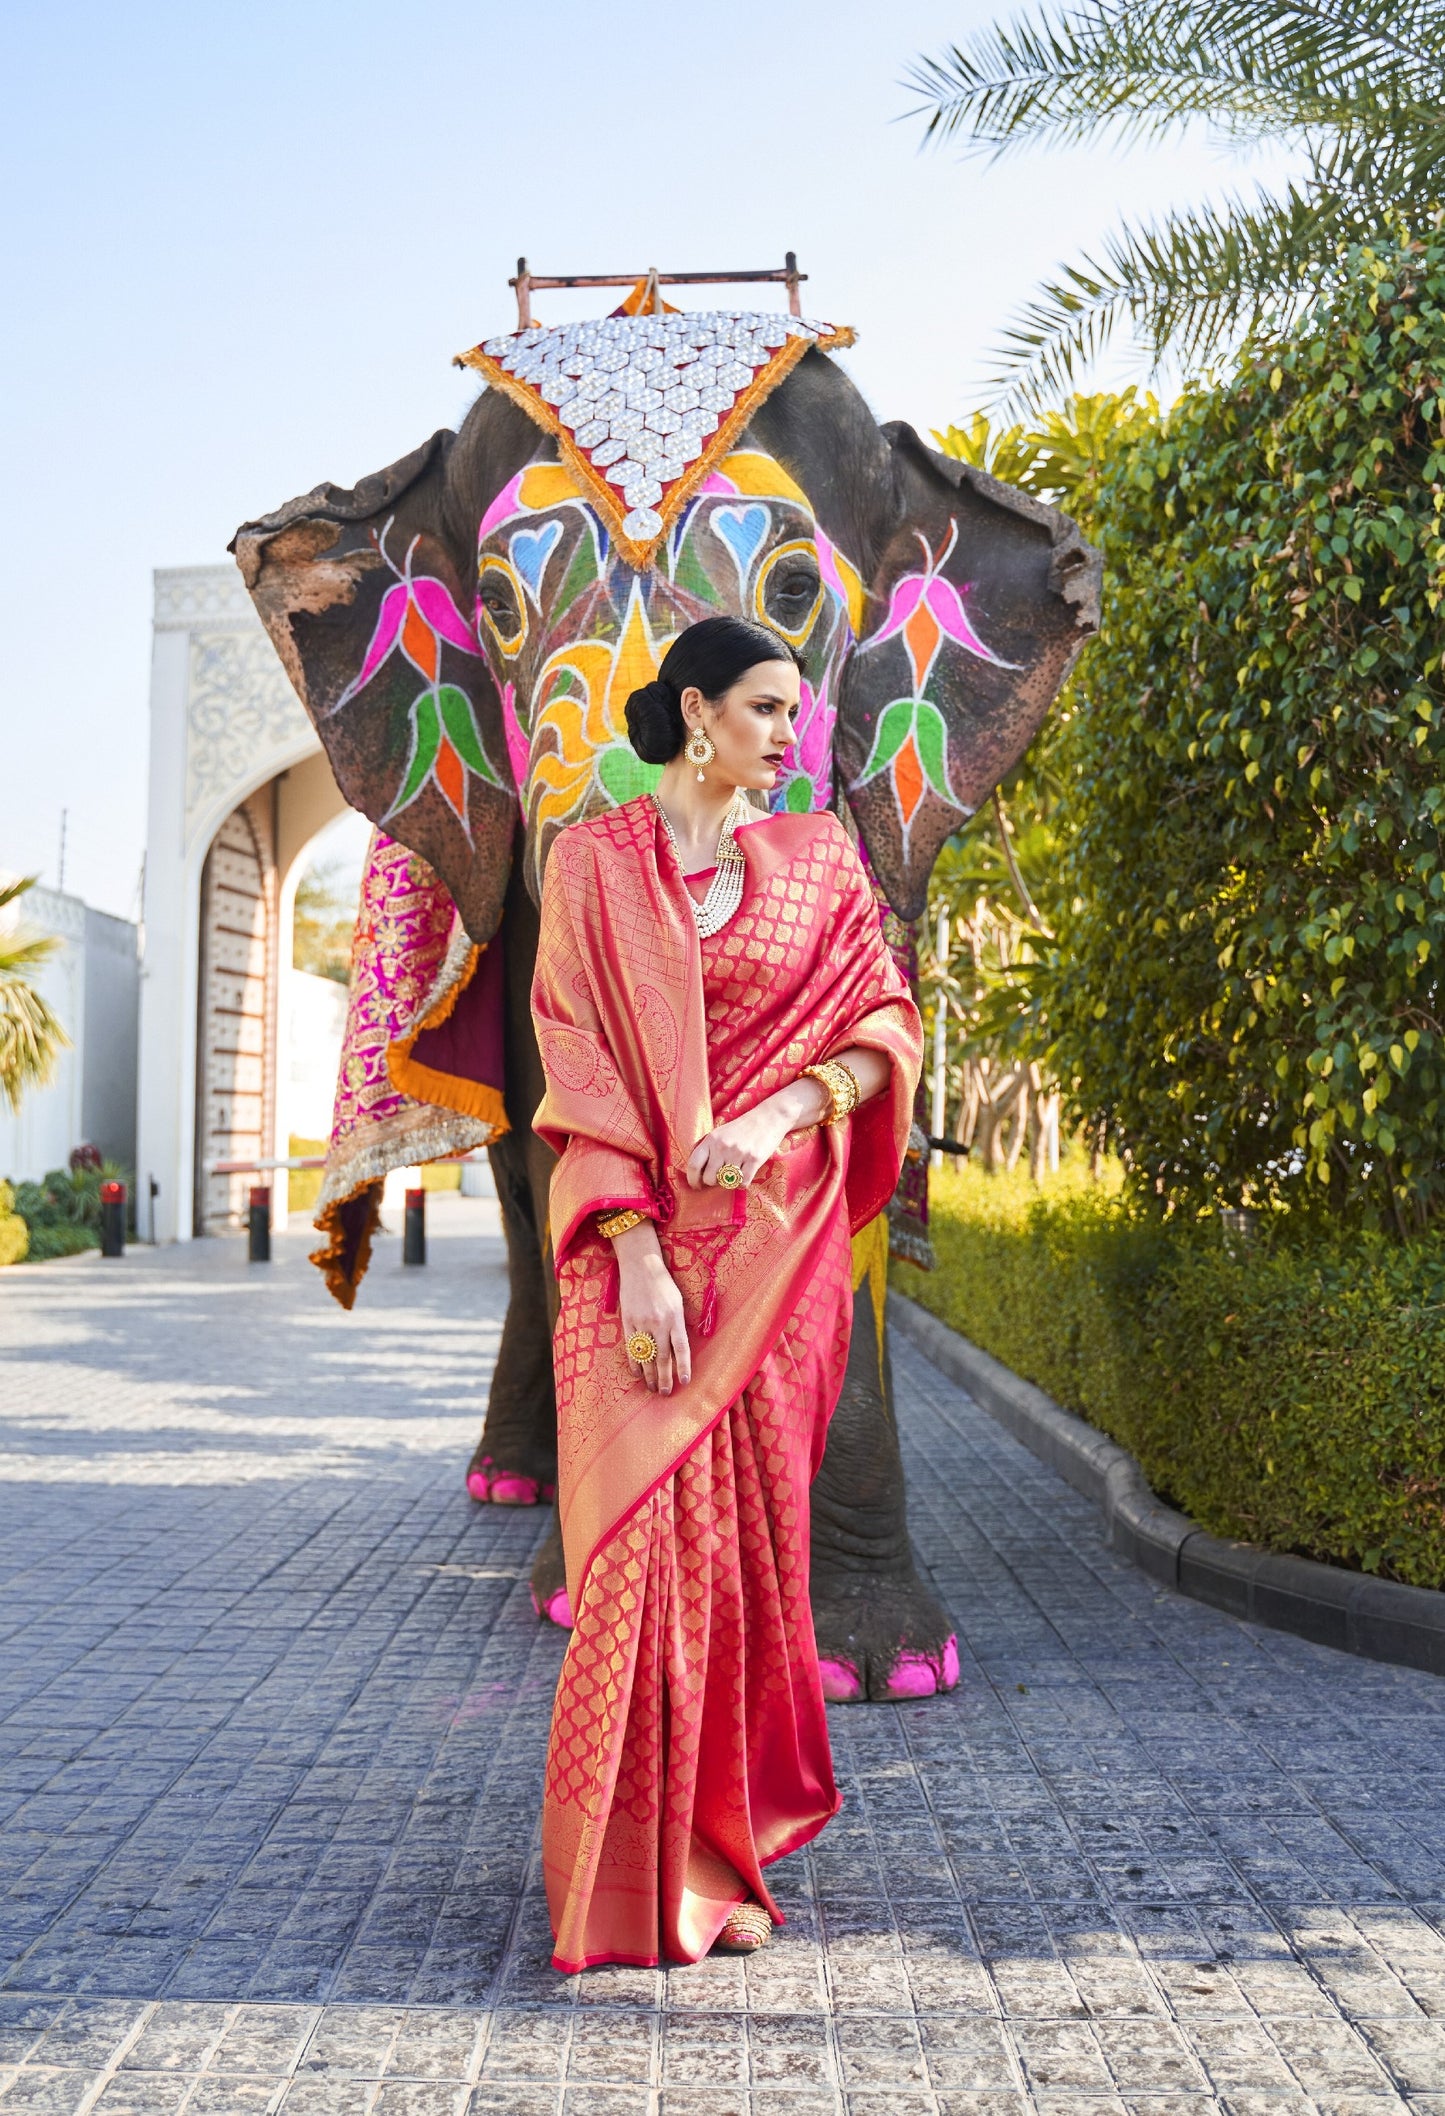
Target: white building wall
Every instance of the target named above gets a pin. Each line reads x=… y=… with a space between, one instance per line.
x=224 y=722
x=112 y=1023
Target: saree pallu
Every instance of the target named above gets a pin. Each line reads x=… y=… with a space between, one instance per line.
x=689 y=1741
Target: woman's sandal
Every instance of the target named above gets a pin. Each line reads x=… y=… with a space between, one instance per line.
x=748 y=1928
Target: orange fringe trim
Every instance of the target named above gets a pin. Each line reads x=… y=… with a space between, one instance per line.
x=331 y=1257
x=469 y=1098
x=604 y=495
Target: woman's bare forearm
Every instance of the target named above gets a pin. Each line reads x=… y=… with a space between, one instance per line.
x=806 y=1101
x=871 y=1069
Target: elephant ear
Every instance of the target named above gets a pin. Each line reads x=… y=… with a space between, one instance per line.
x=367 y=608
x=978 y=598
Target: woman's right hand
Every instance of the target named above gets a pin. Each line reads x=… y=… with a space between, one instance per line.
x=650 y=1301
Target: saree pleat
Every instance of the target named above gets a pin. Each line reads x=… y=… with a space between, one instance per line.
x=689 y=1737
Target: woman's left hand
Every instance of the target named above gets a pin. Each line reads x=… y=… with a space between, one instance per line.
x=749 y=1143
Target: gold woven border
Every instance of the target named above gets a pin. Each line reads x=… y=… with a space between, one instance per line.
x=604 y=495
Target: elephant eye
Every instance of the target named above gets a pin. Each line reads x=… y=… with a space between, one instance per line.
x=794 y=590
x=500 y=602
x=497 y=598
x=790 y=591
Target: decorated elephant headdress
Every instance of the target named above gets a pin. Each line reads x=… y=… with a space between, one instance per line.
x=465 y=626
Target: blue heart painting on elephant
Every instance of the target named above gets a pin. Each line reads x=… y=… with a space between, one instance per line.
x=464 y=629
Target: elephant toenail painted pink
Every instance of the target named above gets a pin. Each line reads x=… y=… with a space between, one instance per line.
x=514 y=1491
x=925 y=1674
x=915 y=1675
x=840 y=1681
x=479 y=1485
x=559 y=1609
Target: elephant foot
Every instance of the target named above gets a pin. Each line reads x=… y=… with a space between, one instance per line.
x=883 y=1641
x=549 y=1583
x=556 y=1610
x=489 y=1485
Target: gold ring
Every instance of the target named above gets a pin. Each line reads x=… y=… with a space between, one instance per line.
x=642 y=1346
x=729 y=1177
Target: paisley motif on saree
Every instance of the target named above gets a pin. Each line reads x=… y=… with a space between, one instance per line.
x=680 y=1762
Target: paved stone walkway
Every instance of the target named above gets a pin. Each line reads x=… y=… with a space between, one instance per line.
x=272 y=1712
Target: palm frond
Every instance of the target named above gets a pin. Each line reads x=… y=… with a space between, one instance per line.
x=1134 y=70
x=31 y=1035
x=1195 y=283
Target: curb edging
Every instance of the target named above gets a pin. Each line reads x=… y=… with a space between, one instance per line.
x=1378 y=1619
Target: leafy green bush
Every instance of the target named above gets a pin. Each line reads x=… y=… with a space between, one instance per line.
x=14 y=1234
x=62 y=1211
x=59 y=1238
x=1250 y=896
x=1288 y=1390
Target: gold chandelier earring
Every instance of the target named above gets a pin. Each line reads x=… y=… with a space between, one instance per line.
x=699 y=749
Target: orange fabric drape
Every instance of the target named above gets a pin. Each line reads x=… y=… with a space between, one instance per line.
x=689 y=1744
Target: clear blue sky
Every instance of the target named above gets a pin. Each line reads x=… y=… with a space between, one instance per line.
x=241 y=245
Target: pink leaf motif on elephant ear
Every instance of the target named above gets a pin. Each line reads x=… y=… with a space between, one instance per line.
x=383 y=639
x=946 y=603
x=434 y=601
x=418 y=611
x=925 y=607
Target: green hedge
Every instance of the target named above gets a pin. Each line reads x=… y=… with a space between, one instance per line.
x=62 y=1210
x=1289 y=1392
x=58 y=1238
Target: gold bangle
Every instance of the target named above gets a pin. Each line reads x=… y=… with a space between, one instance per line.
x=611 y=1224
x=841 y=1081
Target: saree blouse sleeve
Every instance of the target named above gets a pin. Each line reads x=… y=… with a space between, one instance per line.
x=884 y=1019
x=587 y=1115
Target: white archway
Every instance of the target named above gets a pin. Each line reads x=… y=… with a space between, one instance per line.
x=239 y=788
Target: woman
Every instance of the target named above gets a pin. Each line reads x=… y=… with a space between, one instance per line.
x=731 y=1058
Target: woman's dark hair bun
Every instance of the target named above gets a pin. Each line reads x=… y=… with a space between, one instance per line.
x=710 y=656
x=654 y=722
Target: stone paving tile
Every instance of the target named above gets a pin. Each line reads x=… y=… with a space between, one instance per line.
x=273 y=1704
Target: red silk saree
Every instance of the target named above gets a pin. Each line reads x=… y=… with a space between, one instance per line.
x=689 y=1745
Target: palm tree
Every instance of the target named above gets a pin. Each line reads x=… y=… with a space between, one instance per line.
x=1357 y=85
x=30 y=1034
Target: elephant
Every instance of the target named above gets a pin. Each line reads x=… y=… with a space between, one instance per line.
x=464 y=628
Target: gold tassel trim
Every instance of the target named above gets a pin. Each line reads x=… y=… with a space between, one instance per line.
x=608 y=502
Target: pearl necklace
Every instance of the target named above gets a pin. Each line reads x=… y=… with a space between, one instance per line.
x=726 y=890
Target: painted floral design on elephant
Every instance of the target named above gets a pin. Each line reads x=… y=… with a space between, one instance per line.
x=417 y=614
x=571 y=629
x=910 y=742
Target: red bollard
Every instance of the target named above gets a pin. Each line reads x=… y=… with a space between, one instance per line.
x=259 y=1251
x=112 y=1219
x=413 y=1240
